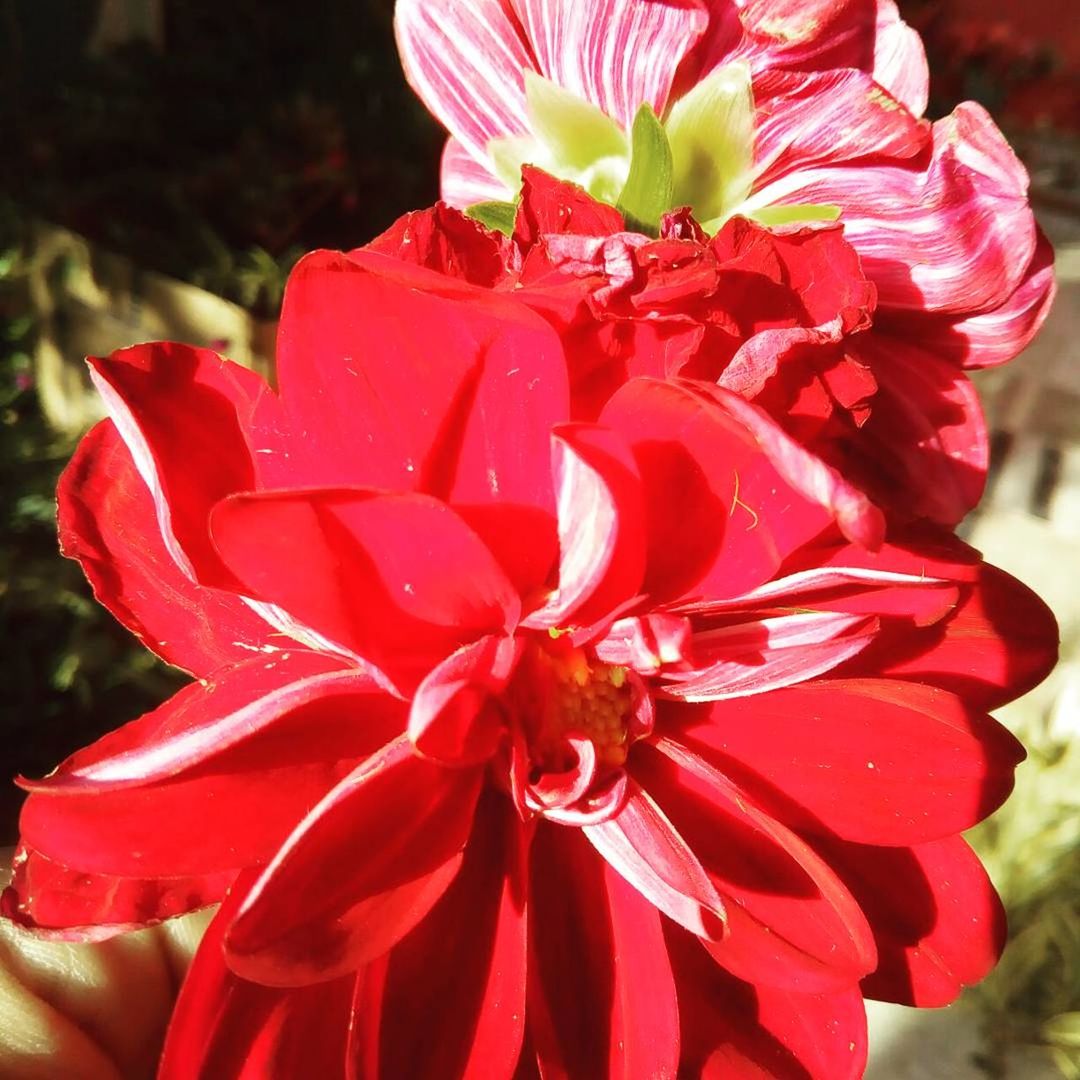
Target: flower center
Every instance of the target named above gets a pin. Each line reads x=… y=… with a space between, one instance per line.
x=576 y=694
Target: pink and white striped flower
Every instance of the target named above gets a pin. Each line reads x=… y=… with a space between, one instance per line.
x=779 y=110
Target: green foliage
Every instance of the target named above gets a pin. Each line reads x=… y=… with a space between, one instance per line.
x=1032 y=849
x=70 y=673
x=647 y=194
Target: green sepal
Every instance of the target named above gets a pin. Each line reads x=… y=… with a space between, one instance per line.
x=494 y=215
x=646 y=197
x=796 y=212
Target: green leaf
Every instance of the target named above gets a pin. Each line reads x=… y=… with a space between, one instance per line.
x=711 y=131
x=1063 y=1030
x=497 y=216
x=647 y=193
x=787 y=215
x=575 y=132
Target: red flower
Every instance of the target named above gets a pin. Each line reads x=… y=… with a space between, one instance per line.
x=589 y=744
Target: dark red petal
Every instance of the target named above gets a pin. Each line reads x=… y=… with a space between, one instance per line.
x=549 y=207
x=791 y=922
x=399 y=580
x=938 y=923
x=108 y=523
x=601 y=996
x=925 y=449
x=364 y=867
x=720 y=518
x=445 y=240
x=462 y=410
x=877 y=761
x=223 y=1026
x=459 y=977
x=1000 y=641
x=187 y=416
x=75 y=906
x=734 y=1030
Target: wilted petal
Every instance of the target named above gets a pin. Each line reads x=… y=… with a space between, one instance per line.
x=108 y=522
x=459 y=977
x=938 y=924
x=467 y=62
x=601 y=997
x=403 y=823
x=644 y=847
x=734 y=1030
x=59 y=903
x=876 y=761
x=791 y=921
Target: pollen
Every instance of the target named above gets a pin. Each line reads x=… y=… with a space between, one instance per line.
x=584 y=696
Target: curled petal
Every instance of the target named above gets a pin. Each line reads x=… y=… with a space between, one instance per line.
x=900 y=59
x=107 y=521
x=644 y=847
x=763 y=656
x=186 y=417
x=647 y=642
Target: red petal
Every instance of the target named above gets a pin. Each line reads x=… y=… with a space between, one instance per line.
x=205 y=719
x=733 y=1030
x=107 y=521
x=74 y=906
x=186 y=415
x=398 y=580
x=452 y=717
x=938 y=923
x=791 y=922
x=872 y=760
x=223 y=1026
x=462 y=411
x=550 y=206
x=647 y=850
x=447 y=241
x=1001 y=641
x=601 y=997
x=459 y=977
x=601 y=527
x=382 y=847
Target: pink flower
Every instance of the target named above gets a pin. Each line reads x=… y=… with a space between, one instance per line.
x=592 y=745
x=799 y=110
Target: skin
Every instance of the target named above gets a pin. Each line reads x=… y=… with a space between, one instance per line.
x=90 y=1011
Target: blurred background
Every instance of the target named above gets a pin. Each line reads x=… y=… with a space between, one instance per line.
x=164 y=164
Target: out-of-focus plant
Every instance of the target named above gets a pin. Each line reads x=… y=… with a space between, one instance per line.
x=69 y=671
x=1032 y=850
